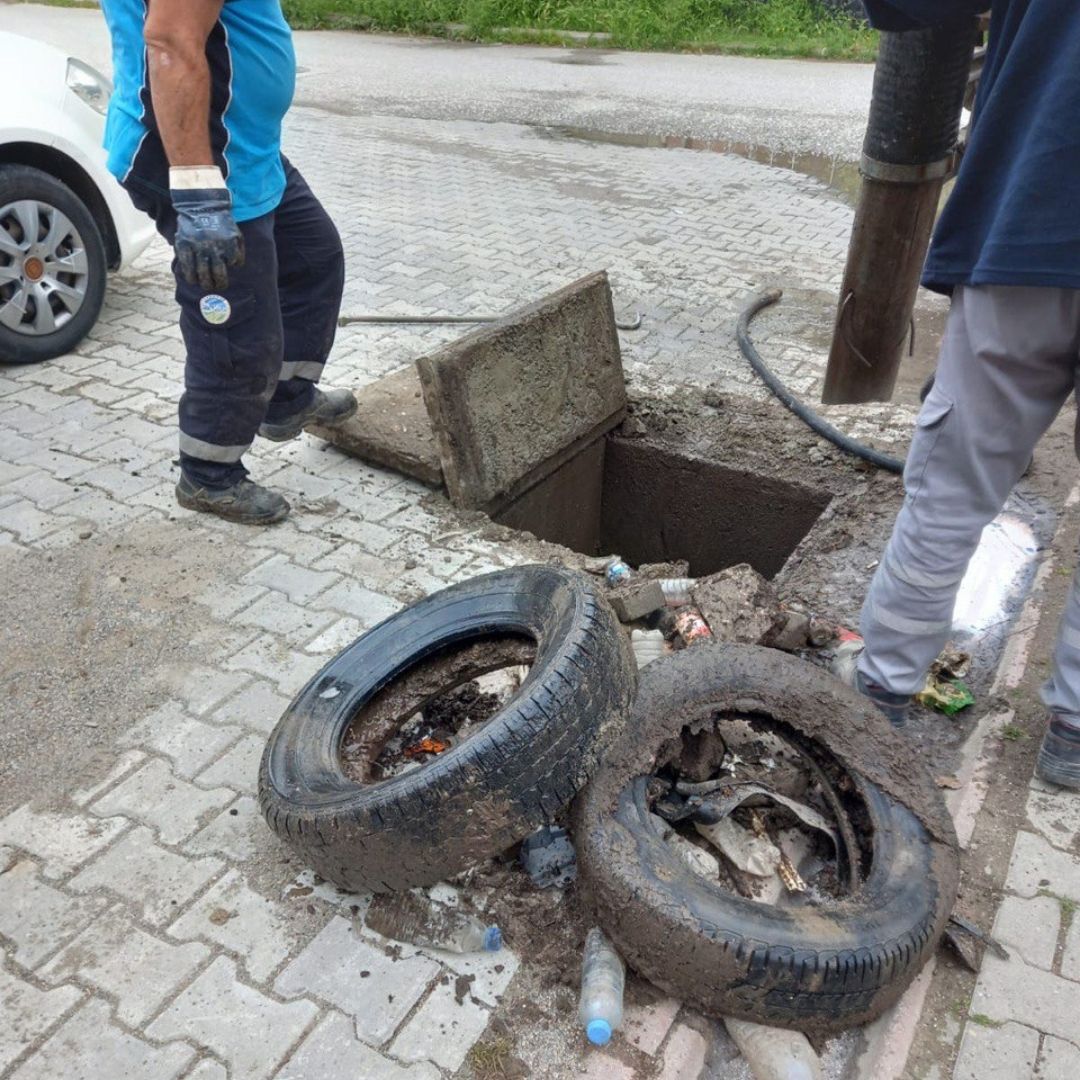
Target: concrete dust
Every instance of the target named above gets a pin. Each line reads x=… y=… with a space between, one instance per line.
x=90 y=639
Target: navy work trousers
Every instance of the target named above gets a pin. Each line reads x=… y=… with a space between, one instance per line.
x=256 y=349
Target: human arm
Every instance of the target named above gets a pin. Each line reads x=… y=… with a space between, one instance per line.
x=207 y=240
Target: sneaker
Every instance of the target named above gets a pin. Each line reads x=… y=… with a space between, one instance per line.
x=328 y=408
x=246 y=503
x=845 y=666
x=1059 y=755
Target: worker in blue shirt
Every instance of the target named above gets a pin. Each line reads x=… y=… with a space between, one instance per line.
x=1007 y=249
x=194 y=133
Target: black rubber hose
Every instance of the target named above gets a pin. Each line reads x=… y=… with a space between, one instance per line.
x=919 y=85
x=788 y=399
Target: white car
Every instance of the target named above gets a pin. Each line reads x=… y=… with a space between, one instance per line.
x=64 y=220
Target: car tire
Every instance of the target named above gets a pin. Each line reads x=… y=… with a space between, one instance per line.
x=818 y=967
x=22 y=184
x=492 y=789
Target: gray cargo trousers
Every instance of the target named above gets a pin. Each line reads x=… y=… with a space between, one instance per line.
x=1010 y=358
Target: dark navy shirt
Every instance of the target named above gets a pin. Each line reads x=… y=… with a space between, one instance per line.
x=252 y=73
x=1014 y=215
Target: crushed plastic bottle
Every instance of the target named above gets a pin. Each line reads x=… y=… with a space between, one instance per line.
x=417 y=920
x=773 y=1053
x=677 y=591
x=603 y=979
x=618 y=572
x=648 y=645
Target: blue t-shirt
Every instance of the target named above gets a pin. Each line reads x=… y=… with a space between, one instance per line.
x=252 y=73
x=1014 y=215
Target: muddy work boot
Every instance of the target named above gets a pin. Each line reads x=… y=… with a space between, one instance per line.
x=329 y=408
x=845 y=666
x=246 y=503
x=1059 y=755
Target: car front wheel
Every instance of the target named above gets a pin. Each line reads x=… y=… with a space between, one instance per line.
x=52 y=267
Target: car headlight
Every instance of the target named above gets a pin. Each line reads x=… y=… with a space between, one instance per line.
x=89 y=84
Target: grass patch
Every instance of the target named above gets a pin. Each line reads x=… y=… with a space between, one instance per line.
x=984 y=1021
x=1069 y=908
x=753 y=27
x=1013 y=733
x=490 y=1057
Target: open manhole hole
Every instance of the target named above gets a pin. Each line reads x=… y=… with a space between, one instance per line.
x=434 y=706
x=650 y=503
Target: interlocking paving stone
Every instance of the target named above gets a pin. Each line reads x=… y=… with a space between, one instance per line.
x=251 y=1032
x=158 y=883
x=188 y=743
x=239 y=832
x=236 y=917
x=333 y=1049
x=1059 y=1060
x=89 y=1046
x=26 y=1012
x=117 y=957
x=1003 y=1053
x=36 y=918
x=1031 y=927
x=441 y=1030
x=155 y=796
x=62 y=842
x=359 y=978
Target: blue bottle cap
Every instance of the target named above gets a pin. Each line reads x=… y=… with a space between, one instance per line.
x=599 y=1032
x=492 y=939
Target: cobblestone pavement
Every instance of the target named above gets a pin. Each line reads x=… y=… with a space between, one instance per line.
x=150 y=926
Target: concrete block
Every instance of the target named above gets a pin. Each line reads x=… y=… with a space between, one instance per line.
x=1036 y=866
x=511 y=402
x=739 y=605
x=637 y=600
x=390 y=428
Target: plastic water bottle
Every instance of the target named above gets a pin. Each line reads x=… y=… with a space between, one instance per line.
x=416 y=920
x=618 y=572
x=603 y=978
x=677 y=591
x=773 y=1053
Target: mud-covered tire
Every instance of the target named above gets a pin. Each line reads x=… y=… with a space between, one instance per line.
x=494 y=788
x=816 y=968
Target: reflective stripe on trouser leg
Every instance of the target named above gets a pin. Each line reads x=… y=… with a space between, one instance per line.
x=1061 y=692
x=233 y=360
x=311 y=277
x=1005 y=370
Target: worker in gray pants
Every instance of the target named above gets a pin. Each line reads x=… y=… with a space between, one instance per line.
x=1007 y=248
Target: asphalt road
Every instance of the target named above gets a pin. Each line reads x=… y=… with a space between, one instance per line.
x=797 y=106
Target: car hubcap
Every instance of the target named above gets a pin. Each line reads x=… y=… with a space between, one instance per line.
x=44 y=271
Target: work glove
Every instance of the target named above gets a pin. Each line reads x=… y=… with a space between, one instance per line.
x=208 y=240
